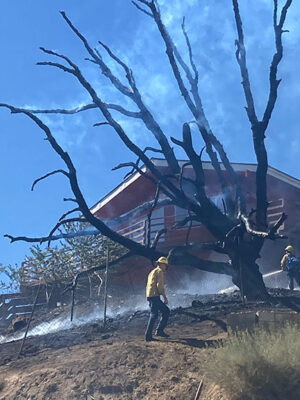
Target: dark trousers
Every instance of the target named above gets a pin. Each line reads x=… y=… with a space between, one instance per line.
x=293 y=275
x=157 y=305
x=291 y=281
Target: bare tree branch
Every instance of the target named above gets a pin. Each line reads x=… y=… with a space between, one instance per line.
x=124 y=111
x=62 y=222
x=102 y=106
x=69 y=199
x=26 y=239
x=186 y=164
x=136 y=168
x=158 y=235
x=203 y=246
x=259 y=127
x=62 y=56
x=68 y=213
x=124 y=217
x=274 y=82
x=49 y=174
x=138 y=160
x=132 y=92
x=104 y=68
x=103 y=228
x=78 y=109
x=141 y=9
x=197 y=110
x=277 y=225
x=188 y=232
x=127 y=70
x=100 y=124
x=271 y=234
x=181 y=256
x=184 y=221
x=241 y=59
x=60 y=110
x=195 y=160
x=188 y=43
x=134 y=148
x=177 y=225
x=156 y=197
x=57 y=65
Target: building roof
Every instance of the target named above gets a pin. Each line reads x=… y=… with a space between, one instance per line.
x=207 y=165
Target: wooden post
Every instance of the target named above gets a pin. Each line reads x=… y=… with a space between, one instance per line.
x=197 y=397
x=31 y=315
x=105 y=286
x=241 y=271
x=73 y=303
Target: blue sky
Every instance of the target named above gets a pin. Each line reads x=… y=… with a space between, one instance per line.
x=26 y=25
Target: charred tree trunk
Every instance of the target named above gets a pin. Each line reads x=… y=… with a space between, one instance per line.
x=246 y=271
x=242 y=250
x=249 y=280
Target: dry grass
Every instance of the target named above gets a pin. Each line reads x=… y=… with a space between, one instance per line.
x=259 y=365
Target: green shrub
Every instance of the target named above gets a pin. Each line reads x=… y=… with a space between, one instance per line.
x=259 y=365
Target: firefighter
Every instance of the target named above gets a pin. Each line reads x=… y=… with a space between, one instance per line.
x=156 y=288
x=291 y=264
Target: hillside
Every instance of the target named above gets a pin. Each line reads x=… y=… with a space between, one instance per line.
x=86 y=362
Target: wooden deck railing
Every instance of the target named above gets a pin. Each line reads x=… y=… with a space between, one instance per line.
x=139 y=230
x=275 y=210
x=16 y=304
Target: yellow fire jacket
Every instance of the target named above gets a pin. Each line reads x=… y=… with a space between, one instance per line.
x=284 y=261
x=155 y=283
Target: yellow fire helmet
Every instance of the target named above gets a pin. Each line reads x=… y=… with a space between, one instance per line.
x=163 y=260
x=289 y=248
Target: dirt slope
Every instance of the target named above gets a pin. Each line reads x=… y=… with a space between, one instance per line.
x=108 y=366
x=88 y=363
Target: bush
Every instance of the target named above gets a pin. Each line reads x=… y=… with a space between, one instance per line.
x=259 y=365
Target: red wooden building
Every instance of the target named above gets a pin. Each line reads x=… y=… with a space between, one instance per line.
x=126 y=198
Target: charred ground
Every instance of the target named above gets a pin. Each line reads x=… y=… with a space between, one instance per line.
x=88 y=362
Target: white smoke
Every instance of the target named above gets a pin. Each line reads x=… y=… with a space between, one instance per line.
x=182 y=297
x=207 y=285
x=63 y=323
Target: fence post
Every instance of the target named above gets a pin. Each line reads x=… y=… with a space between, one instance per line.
x=31 y=315
x=105 y=285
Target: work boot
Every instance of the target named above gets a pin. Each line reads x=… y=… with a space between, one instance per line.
x=162 y=334
x=150 y=339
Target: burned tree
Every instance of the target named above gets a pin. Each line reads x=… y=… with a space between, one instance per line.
x=239 y=233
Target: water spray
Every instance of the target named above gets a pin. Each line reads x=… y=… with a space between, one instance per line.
x=232 y=288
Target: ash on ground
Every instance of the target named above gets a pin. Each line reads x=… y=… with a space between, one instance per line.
x=55 y=330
